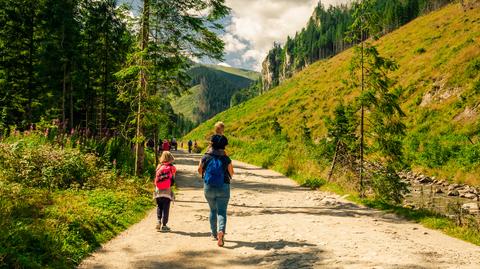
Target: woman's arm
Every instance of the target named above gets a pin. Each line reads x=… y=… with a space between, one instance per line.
x=200 y=168
x=230 y=169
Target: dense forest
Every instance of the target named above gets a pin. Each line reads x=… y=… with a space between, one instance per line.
x=91 y=67
x=58 y=61
x=324 y=35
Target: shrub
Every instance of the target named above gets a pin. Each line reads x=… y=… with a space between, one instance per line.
x=420 y=51
x=388 y=186
x=314 y=183
x=46 y=166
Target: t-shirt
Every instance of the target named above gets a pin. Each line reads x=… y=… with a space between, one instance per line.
x=219 y=141
x=165 y=146
x=224 y=159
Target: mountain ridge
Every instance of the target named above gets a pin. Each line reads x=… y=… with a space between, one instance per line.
x=212 y=89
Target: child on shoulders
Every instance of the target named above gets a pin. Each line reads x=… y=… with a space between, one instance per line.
x=218 y=141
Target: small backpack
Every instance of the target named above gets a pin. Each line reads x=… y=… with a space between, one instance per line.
x=214 y=172
x=163 y=177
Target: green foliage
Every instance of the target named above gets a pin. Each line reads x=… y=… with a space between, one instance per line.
x=343 y=126
x=314 y=183
x=379 y=106
x=59 y=205
x=420 y=51
x=387 y=185
x=476 y=87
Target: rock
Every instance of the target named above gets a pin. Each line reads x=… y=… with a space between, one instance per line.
x=425 y=180
x=452 y=193
x=438 y=190
x=453 y=187
x=469 y=195
x=471 y=208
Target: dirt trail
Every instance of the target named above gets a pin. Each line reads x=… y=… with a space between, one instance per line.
x=275 y=224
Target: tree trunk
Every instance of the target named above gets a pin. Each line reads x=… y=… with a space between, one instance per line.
x=155 y=146
x=139 y=145
x=71 y=102
x=64 y=96
x=362 y=119
x=334 y=161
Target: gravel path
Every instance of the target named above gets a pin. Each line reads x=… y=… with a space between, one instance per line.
x=275 y=224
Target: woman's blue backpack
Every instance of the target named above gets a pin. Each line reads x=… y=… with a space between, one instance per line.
x=214 y=172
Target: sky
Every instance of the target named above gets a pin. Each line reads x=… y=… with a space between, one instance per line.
x=254 y=25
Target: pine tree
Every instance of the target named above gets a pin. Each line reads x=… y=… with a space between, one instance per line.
x=171 y=33
x=378 y=102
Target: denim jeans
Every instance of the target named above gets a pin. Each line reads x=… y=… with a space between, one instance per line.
x=217 y=198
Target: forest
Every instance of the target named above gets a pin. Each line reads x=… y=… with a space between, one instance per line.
x=324 y=35
x=94 y=69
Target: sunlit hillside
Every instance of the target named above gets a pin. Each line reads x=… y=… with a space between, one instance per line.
x=439 y=58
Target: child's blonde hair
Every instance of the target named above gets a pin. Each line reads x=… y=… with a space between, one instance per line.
x=219 y=127
x=166 y=157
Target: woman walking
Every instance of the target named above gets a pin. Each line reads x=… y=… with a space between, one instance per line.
x=217 y=170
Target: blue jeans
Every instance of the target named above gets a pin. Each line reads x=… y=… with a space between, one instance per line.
x=217 y=198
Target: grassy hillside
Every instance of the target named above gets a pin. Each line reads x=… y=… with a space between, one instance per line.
x=439 y=60
x=220 y=81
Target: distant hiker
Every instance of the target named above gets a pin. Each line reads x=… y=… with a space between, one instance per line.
x=217 y=171
x=150 y=143
x=164 y=180
x=195 y=147
x=219 y=139
x=174 y=144
x=190 y=144
x=165 y=145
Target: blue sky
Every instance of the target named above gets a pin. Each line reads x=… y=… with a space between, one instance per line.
x=254 y=25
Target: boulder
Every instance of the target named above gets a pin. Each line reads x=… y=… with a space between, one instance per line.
x=453 y=193
x=469 y=195
x=424 y=180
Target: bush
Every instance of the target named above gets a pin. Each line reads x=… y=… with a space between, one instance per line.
x=314 y=183
x=420 y=51
x=388 y=186
x=57 y=205
x=46 y=166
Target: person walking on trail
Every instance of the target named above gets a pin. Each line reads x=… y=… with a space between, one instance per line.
x=217 y=171
x=174 y=144
x=164 y=180
x=190 y=144
x=165 y=145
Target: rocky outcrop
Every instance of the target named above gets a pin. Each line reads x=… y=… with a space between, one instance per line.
x=442 y=186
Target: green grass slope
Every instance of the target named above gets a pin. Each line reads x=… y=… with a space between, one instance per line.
x=232 y=79
x=439 y=58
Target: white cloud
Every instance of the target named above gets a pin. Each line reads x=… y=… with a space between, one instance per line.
x=256 y=24
x=224 y=64
x=233 y=44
